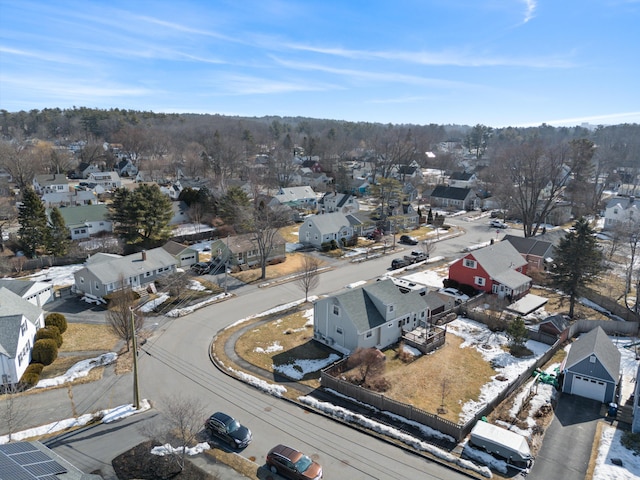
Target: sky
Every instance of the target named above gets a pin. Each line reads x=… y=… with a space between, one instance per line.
x=494 y=62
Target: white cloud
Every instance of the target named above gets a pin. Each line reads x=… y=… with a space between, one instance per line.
x=530 y=11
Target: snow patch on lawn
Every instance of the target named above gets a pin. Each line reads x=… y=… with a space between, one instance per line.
x=298 y=369
x=611 y=448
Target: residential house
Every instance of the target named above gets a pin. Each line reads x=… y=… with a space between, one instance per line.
x=243 y=251
x=37 y=293
x=592 y=367
x=50 y=182
x=104 y=273
x=86 y=220
x=405 y=173
x=299 y=198
x=373 y=315
x=359 y=186
x=77 y=196
x=324 y=228
x=454 y=198
x=185 y=256
x=19 y=321
x=107 y=180
x=497 y=268
x=362 y=223
x=621 y=212
x=34 y=461
x=85 y=169
x=463 y=179
x=126 y=168
x=538 y=253
x=172 y=189
x=318 y=180
x=338 y=202
x=399 y=217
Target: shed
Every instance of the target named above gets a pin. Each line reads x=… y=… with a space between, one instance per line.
x=592 y=368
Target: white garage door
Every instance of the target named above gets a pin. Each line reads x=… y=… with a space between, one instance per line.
x=589 y=388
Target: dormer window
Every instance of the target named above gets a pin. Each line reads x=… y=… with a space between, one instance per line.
x=470 y=263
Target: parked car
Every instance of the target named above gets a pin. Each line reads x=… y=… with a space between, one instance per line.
x=454 y=292
x=416 y=256
x=290 y=463
x=228 y=429
x=408 y=240
x=399 y=263
x=201 y=268
x=498 y=224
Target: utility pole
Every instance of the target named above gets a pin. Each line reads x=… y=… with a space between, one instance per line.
x=226 y=265
x=134 y=345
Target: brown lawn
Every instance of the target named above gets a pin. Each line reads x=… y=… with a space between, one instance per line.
x=290 y=233
x=291 y=265
x=559 y=303
x=87 y=337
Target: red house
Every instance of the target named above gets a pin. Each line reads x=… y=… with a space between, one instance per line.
x=498 y=268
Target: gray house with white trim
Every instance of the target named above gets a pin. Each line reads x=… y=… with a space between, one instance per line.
x=103 y=273
x=374 y=315
x=323 y=228
x=592 y=367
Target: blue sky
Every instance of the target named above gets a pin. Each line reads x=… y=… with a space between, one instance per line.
x=495 y=62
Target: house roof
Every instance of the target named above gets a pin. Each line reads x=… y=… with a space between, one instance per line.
x=463 y=176
x=558 y=321
x=19 y=287
x=292 y=194
x=242 y=243
x=329 y=222
x=406 y=169
x=81 y=214
x=175 y=248
x=51 y=179
x=359 y=303
x=623 y=202
x=109 y=268
x=530 y=245
x=498 y=258
x=596 y=342
x=13 y=307
x=452 y=193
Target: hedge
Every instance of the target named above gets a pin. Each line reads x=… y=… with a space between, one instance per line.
x=51 y=332
x=58 y=320
x=44 y=351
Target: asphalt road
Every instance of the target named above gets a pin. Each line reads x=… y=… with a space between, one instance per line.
x=174 y=362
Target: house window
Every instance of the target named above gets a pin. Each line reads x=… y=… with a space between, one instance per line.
x=369 y=333
x=391 y=308
x=81 y=279
x=400 y=323
x=592 y=359
x=470 y=263
x=97 y=285
x=148 y=274
x=390 y=325
x=336 y=310
x=339 y=330
x=480 y=281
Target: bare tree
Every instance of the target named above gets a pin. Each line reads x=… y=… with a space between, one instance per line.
x=119 y=315
x=179 y=426
x=445 y=388
x=14 y=409
x=308 y=275
x=370 y=363
x=265 y=224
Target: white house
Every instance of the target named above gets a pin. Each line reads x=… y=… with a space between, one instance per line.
x=295 y=197
x=86 y=220
x=70 y=197
x=107 y=180
x=50 y=182
x=19 y=321
x=621 y=211
x=338 y=202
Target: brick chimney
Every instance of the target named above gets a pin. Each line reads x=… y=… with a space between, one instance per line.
x=144 y=255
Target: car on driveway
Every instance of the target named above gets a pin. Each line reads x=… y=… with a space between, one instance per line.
x=290 y=463
x=408 y=240
x=228 y=429
x=454 y=292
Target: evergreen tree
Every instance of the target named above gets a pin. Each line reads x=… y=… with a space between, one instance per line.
x=578 y=261
x=141 y=216
x=32 y=216
x=58 y=240
x=430 y=216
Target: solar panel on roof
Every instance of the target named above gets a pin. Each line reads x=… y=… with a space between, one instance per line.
x=24 y=461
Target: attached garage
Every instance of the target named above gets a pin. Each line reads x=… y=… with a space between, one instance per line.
x=592 y=368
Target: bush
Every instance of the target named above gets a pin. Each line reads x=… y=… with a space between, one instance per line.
x=51 y=332
x=34 y=368
x=28 y=379
x=58 y=320
x=44 y=351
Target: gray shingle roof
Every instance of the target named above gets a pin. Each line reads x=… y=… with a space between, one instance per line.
x=530 y=245
x=453 y=193
x=359 y=304
x=499 y=258
x=110 y=269
x=329 y=222
x=19 y=287
x=596 y=342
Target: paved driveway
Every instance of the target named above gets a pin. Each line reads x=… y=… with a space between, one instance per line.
x=567 y=443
